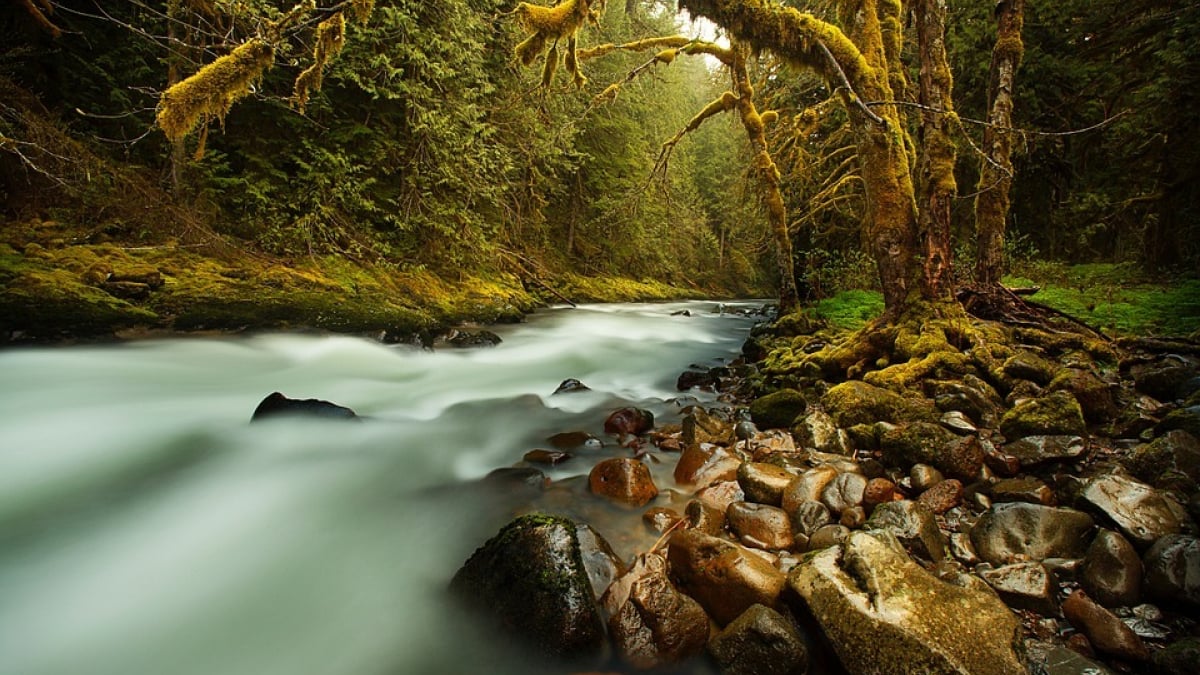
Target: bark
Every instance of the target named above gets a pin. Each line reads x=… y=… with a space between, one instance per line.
x=936 y=165
x=803 y=40
x=768 y=177
x=995 y=177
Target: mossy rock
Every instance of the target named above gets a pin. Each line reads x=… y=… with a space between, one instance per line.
x=1186 y=419
x=915 y=443
x=1057 y=413
x=778 y=410
x=1025 y=365
x=797 y=323
x=855 y=402
x=1094 y=395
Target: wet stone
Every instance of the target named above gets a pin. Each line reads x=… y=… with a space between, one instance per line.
x=1024 y=586
x=817 y=431
x=551 y=457
x=1179 y=658
x=571 y=385
x=924 y=477
x=759 y=525
x=828 y=535
x=958 y=422
x=1016 y=531
x=629 y=421
x=624 y=480
x=913 y=525
x=807 y=487
x=651 y=623
x=1027 y=490
x=1054 y=413
x=599 y=560
x=660 y=518
x=724 y=578
x=572 y=440
x=878 y=491
x=942 y=497
x=854 y=517
x=1046 y=658
x=806 y=517
x=1104 y=630
x=1172 y=570
x=962 y=549
x=704 y=464
x=704 y=517
x=1142 y=513
x=700 y=426
x=1111 y=571
x=721 y=495
x=760 y=642
x=844 y=492
x=763 y=483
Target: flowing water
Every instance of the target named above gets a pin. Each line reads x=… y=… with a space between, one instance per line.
x=147 y=529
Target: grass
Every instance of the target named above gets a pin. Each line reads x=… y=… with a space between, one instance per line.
x=849 y=310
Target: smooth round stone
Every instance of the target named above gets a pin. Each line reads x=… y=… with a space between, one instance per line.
x=1018 y=531
x=807 y=487
x=1106 y=632
x=1143 y=513
x=763 y=483
x=759 y=525
x=1111 y=571
x=854 y=517
x=1028 y=490
x=807 y=517
x=624 y=480
x=878 y=491
x=844 y=492
x=828 y=535
x=924 y=477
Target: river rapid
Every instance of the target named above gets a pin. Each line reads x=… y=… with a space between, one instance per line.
x=147 y=528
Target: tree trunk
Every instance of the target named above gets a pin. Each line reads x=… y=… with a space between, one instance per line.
x=938 y=156
x=862 y=67
x=768 y=179
x=995 y=176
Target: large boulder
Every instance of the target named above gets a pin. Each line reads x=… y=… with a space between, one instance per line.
x=1054 y=413
x=1034 y=450
x=1186 y=419
x=1016 y=531
x=278 y=405
x=725 y=578
x=778 y=409
x=652 y=624
x=763 y=483
x=760 y=642
x=1094 y=395
x=883 y=613
x=856 y=402
x=1142 y=513
x=532 y=580
x=973 y=397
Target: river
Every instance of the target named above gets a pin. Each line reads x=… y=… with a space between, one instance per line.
x=146 y=528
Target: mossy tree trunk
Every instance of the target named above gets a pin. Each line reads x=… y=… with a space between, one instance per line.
x=936 y=166
x=768 y=178
x=995 y=177
x=859 y=63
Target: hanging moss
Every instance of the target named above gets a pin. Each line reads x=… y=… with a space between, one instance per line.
x=546 y=24
x=331 y=38
x=213 y=89
x=550 y=66
x=361 y=9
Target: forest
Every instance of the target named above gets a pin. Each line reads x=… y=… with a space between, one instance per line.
x=413 y=154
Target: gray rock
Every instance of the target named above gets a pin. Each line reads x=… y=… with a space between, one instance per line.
x=1164 y=379
x=1142 y=513
x=1171 y=461
x=1172 y=567
x=808 y=516
x=701 y=426
x=1024 y=586
x=1047 y=658
x=971 y=396
x=599 y=560
x=828 y=535
x=883 y=613
x=924 y=477
x=1016 y=531
x=962 y=549
x=817 y=431
x=760 y=642
x=958 y=422
x=651 y=623
x=531 y=578
x=1111 y=571
x=1034 y=450
x=844 y=492
x=913 y=525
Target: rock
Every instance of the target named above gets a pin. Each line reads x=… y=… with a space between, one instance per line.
x=624 y=480
x=1142 y=513
x=883 y=613
x=516 y=478
x=913 y=525
x=725 y=578
x=1027 y=490
x=1011 y=532
x=150 y=277
x=629 y=421
x=1111 y=571
x=924 y=477
x=1024 y=586
x=1162 y=380
x=763 y=483
x=759 y=525
x=962 y=549
x=971 y=396
x=1179 y=658
x=962 y=459
x=704 y=517
x=773 y=442
x=760 y=642
x=1186 y=419
x=778 y=409
x=551 y=457
x=1047 y=658
x=844 y=492
x=467 y=339
x=126 y=290
x=572 y=440
x=700 y=426
x=853 y=517
x=1172 y=568
x=704 y=464
x=1106 y=632
x=1000 y=462
x=828 y=535
x=721 y=494
x=807 y=487
x=856 y=402
x=651 y=623
x=571 y=385
x=1034 y=450
x=1022 y=390
x=1052 y=414
x=660 y=518
x=1093 y=394
x=1170 y=461
x=695 y=378
x=806 y=517
x=818 y=432
x=276 y=404
x=878 y=491
x=933 y=444
x=958 y=422
x=1026 y=365
x=531 y=579
x=942 y=497
x=599 y=561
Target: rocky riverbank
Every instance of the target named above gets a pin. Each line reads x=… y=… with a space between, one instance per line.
x=1033 y=509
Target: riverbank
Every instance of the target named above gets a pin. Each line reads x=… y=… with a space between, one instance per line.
x=55 y=291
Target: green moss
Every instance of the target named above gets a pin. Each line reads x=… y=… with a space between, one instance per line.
x=849 y=310
x=1056 y=413
x=777 y=410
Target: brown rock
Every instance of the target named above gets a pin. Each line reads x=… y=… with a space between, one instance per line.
x=651 y=623
x=705 y=464
x=759 y=525
x=942 y=497
x=700 y=426
x=721 y=495
x=704 y=517
x=763 y=483
x=1028 y=490
x=1106 y=632
x=660 y=518
x=963 y=458
x=828 y=535
x=570 y=440
x=629 y=421
x=807 y=487
x=854 y=517
x=924 y=477
x=624 y=480
x=878 y=491
x=760 y=642
x=551 y=457
x=725 y=578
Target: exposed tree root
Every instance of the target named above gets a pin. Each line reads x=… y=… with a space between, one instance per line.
x=993 y=302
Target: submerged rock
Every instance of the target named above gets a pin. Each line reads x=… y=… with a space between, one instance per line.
x=883 y=613
x=760 y=642
x=277 y=405
x=531 y=579
x=629 y=421
x=571 y=385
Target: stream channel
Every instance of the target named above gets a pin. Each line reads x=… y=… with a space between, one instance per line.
x=146 y=528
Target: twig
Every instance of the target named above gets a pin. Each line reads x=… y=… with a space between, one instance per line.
x=837 y=67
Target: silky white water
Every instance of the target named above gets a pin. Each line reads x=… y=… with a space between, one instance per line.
x=146 y=528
